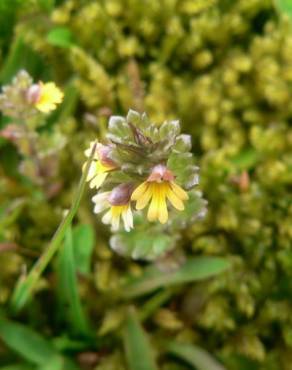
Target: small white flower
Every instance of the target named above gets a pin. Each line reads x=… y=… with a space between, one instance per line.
x=115 y=212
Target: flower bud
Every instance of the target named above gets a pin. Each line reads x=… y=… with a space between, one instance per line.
x=160 y=173
x=103 y=154
x=121 y=194
x=33 y=94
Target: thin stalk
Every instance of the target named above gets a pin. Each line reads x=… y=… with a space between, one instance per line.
x=26 y=285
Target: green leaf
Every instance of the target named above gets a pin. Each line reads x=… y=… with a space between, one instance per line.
x=56 y=363
x=25 y=341
x=183 y=165
x=61 y=37
x=83 y=244
x=138 y=351
x=133 y=117
x=197 y=268
x=68 y=288
x=145 y=241
x=195 y=208
x=196 y=356
x=59 y=363
x=284 y=6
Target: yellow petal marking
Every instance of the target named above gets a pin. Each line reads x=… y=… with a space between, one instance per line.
x=162 y=207
x=144 y=199
x=50 y=96
x=174 y=199
x=153 y=209
x=179 y=191
x=139 y=191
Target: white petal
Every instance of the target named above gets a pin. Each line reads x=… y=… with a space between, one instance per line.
x=107 y=218
x=100 y=197
x=115 y=223
x=100 y=207
x=98 y=180
x=128 y=219
x=88 y=151
x=91 y=171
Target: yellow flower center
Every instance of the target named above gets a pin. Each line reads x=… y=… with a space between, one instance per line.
x=114 y=215
x=158 y=193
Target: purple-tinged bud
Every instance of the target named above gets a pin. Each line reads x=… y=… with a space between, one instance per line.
x=33 y=94
x=103 y=155
x=121 y=194
x=160 y=173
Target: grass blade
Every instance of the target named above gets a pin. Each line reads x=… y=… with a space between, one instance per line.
x=26 y=285
x=68 y=287
x=25 y=341
x=138 y=351
x=196 y=268
x=195 y=356
x=83 y=244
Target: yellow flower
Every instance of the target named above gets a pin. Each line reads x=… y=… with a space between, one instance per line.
x=100 y=166
x=115 y=212
x=159 y=188
x=48 y=97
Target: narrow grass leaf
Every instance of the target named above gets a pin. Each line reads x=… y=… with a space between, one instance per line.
x=195 y=356
x=26 y=342
x=68 y=287
x=83 y=244
x=197 y=268
x=138 y=351
x=26 y=285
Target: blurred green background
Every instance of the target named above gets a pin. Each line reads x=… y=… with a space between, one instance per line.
x=224 y=68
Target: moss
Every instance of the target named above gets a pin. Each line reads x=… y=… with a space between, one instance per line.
x=226 y=71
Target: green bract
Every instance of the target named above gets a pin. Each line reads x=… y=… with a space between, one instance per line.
x=135 y=147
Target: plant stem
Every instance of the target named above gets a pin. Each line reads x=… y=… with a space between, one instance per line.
x=26 y=284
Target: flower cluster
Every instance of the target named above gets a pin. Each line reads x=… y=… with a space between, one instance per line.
x=23 y=98
x=24 y=104
x=142 y=165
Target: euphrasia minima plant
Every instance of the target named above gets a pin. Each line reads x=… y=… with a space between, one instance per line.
x=25 y=104
x=144 y=178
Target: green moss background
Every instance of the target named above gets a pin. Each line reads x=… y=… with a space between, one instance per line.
x=224 y=68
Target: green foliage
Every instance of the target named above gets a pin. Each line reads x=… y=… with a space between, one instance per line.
x=28 y=343
x=284 y=6
x=60 y=36
x=138 y=350
x=193 y=269
x=224 y=69
x=83 y=239
x=194 y=355
x=71 y=307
